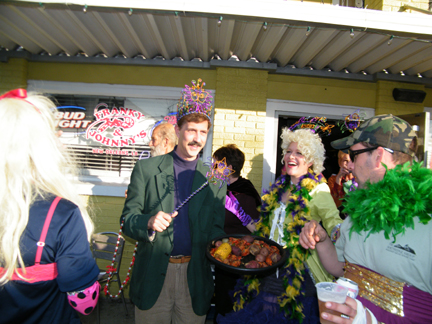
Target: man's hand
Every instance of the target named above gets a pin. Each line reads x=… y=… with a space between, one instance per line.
x=160 y=221
x=343 y=172
x=311 y=234
x=349 y=309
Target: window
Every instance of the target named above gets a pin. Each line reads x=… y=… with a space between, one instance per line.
x=107 y=128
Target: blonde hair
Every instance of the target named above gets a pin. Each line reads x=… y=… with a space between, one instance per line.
x=309 y=144
x=33 y=163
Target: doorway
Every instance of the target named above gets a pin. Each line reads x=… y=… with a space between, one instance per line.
x=331 y=162
x=293 y=110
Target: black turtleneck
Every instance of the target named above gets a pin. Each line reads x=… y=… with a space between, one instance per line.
x=184 y=172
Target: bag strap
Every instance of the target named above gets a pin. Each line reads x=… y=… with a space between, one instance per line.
x=44 y=233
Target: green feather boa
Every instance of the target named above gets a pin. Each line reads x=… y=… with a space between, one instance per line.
x=391 y=204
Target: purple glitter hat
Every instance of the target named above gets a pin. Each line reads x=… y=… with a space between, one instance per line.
x=195 y=100
x=314 y=124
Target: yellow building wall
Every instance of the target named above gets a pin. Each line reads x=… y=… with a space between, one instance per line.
x=385 y=103
x=394 y=5
x=105 y=212
x=374 y=4
x=377 y=95
x=428 y=99
x=120 y=74
x=322 y=90
x=13 y=75
x=328 y=2
x=240 y=105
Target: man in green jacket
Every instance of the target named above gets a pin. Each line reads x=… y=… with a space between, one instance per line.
x=172 y=280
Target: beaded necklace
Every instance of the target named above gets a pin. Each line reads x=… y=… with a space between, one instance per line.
x=294 y=269
x=111 y=270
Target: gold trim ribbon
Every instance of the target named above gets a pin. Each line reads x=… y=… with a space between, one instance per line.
x=379 y=290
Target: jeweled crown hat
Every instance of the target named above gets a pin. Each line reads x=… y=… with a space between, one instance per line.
x=317 y=125
x=195 y=100
x=382 y=130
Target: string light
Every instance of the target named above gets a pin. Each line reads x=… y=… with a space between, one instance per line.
x=352 y=33
x=130 y=12
x=265 y=26
x=219 y=23
x=85 y=9
x=308 y=30
x=390 y=40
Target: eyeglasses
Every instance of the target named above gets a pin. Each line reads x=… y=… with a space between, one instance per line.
x=352 y=154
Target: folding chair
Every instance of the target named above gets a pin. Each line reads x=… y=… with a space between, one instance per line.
x=103 y=247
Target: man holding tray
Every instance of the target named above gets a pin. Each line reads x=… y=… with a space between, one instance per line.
x=172 y=280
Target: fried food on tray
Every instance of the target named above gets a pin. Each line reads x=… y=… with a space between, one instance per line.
x=232 y=250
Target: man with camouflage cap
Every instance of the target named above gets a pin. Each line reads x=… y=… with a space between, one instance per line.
x=385 y=244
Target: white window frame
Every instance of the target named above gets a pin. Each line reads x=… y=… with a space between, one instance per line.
x=102 y=183
x=429 y=150
x=275 y=108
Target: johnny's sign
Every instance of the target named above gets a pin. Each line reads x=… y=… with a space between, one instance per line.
x=115 y=127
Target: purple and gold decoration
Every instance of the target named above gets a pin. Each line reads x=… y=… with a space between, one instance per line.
x=315 y=124
x=219 y=173
x=195 y=100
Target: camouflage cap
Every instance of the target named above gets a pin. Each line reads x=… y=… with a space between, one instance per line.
x=383 y=130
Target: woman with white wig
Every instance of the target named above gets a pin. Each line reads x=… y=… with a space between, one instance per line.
x=46 y=267
x=295 y=198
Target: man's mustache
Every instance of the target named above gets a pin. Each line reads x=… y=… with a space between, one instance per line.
x=195 y=143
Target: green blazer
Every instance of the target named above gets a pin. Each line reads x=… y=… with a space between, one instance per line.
x=151 y=189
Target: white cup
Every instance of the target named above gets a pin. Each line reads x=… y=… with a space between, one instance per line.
x=330 y=292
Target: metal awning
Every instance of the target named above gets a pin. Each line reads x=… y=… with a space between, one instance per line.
x=286 y=37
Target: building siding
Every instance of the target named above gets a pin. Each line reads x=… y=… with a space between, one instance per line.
x=13 y=74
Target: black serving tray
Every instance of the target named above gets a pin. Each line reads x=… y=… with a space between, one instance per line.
x=241 y=269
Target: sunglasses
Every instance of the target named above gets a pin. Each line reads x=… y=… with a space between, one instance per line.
x=353 y=154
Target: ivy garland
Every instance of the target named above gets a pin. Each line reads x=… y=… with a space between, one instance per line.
x=294 y=269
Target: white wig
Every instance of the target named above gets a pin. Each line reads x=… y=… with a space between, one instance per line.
x=33 y=163
x=308 y=143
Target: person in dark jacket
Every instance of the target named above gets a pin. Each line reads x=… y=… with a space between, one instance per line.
x=240 y=212
x=172 y=280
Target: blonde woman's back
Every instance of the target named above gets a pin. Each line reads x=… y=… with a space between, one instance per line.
x=33 y=171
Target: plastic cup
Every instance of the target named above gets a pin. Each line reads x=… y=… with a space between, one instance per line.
x=330 y=292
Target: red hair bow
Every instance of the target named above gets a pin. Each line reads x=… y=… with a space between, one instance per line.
x=18 y=94
x=15 y=94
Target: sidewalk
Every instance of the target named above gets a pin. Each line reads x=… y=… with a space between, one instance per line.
x=113 y=312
